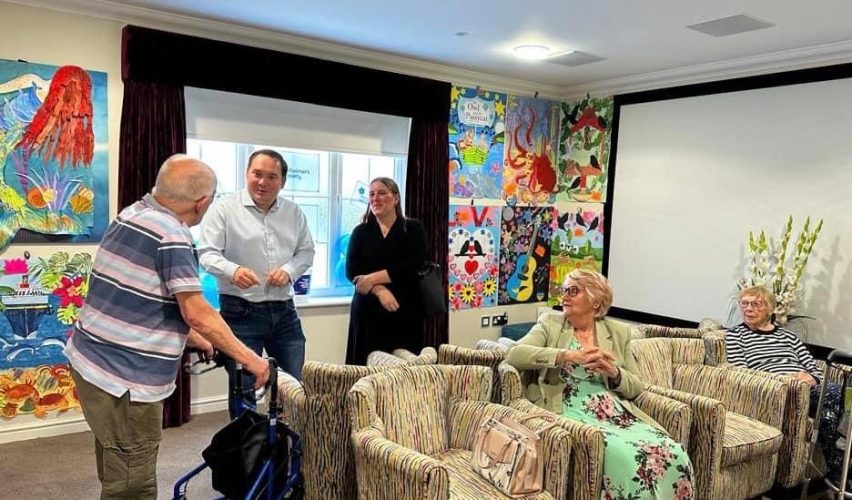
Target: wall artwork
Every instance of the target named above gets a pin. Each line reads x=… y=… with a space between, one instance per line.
x=53 y=152
x=532 y=136
x=39 y=301
x=584 y=141
x=578 y=241
x=525 y=238
x=476 y=134
x=474 y=237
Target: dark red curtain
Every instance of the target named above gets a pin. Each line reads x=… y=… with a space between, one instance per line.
x=153 y=127
x=427 y=199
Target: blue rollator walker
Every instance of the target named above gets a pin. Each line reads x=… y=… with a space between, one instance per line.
x=255 y=456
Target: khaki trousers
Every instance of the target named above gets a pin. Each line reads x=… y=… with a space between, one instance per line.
x=127 y=438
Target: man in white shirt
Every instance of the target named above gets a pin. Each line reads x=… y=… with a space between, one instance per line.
x=256 y=244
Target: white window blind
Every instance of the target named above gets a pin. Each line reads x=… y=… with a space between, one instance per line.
x=226 y=116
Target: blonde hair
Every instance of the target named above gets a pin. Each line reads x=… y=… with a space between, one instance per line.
x=597 y=289
x=761 y=292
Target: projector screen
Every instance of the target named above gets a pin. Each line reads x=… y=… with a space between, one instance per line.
x=693 y=175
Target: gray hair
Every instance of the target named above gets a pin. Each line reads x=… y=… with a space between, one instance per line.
x=760 y=292
x=184 y=178
x=597 y=289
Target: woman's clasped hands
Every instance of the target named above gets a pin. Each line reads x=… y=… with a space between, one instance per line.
x=593 y=359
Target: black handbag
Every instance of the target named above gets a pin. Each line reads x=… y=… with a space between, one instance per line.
x=432 y=292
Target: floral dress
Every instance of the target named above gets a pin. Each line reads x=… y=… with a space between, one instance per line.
x=640 y=461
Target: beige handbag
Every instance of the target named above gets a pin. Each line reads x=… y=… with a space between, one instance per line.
x=509 y=455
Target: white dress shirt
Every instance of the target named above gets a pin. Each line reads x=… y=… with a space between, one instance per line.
x=236 y=233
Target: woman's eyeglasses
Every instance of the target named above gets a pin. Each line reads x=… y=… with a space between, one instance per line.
x=571 y=291
x=754 y=304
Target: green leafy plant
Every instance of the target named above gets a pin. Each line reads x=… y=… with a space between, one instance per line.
x=771 y=267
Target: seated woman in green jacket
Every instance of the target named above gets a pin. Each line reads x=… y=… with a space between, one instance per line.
x=587 y=373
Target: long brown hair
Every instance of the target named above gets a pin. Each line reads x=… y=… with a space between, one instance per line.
x=394 y=189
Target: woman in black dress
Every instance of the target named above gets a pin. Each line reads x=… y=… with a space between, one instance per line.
x=385 y=252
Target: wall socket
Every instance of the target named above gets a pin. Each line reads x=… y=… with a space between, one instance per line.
x=500 y=320
x=484 y=322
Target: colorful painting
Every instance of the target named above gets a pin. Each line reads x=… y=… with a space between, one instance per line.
x=578 y=242
x=584 y=149
x=39 y=299
x=525 y=238
x=532 y=135
x=474 y=237
x=53 y=152
x=476 y=133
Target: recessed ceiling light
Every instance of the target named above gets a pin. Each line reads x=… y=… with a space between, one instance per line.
x=533 y=52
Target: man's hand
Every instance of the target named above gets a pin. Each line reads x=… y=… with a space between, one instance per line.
x=597 y=360
x=364 y=283
x=804 y=377
x=260 y=369
x=205 y=349
x=244 y=278
x=277 y=277
x=386 y=298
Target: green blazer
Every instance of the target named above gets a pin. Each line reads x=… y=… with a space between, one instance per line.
x=538 y=349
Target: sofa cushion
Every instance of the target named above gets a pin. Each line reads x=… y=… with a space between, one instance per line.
x=747 y=438
x=466 y=483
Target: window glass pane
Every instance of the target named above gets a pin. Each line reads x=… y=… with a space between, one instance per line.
x=330 y=188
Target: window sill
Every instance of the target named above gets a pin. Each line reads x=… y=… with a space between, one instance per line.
x=310 y=302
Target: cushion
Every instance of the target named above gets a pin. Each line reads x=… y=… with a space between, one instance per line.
x=516 y=331
x=747 y=438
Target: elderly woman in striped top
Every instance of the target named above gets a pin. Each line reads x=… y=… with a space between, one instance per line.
x=759 y=344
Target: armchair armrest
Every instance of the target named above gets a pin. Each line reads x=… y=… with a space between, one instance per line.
x=388 y=470
x=293 y=399
x=510 y=383
x=706 y=433
x=675 y=416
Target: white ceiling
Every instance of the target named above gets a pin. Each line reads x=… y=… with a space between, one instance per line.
x=645 y=42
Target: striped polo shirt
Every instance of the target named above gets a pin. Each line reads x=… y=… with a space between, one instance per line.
x=777 y=351
x=130 y=334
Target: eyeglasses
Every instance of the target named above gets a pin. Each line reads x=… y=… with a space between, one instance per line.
x=755 y=304
x=571 y=291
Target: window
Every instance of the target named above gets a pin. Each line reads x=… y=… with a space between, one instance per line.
x=329 y=186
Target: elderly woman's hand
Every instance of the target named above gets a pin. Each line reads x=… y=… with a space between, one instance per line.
x=597 y=360
x=804 y=377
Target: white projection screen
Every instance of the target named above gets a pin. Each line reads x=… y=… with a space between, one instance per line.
x=693 y=175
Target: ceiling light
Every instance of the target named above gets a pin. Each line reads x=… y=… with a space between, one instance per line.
x=533 y=52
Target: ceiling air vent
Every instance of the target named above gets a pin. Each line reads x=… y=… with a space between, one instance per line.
x=731 y=25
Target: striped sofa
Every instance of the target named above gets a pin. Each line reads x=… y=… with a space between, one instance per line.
x=588 y=442
x=413 y=430
x=736 y=417
x=316 y=410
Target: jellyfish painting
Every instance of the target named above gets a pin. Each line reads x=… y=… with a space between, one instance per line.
x=47 y=145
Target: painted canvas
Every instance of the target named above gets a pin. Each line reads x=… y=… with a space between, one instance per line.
x=39 y=299
x=585 y=137
x=476 y=133
x=474 y=244
x=578 y=242
x=525 y=238
x=53 y=152
x=532 y=135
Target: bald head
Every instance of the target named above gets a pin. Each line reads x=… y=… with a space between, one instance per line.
x=183 y=178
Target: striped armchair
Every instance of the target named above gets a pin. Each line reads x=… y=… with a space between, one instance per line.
x=455 y=355
x=736 y=417
x=316 y=410
x=588 y=442
x=413 y=430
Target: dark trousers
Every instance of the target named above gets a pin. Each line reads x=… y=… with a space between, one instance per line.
x=273 y=326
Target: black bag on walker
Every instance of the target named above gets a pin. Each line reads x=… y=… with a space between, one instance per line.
x=236 y=453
